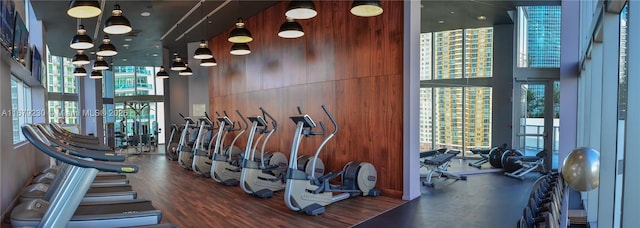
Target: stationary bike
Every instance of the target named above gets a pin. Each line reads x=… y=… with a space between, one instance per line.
x=225 y=164
x=309 y=194
x=264 y=175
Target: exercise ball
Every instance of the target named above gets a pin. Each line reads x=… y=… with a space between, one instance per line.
x=581 y=169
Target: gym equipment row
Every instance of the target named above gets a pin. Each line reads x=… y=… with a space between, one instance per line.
x=545 y=203
x=514 y=162
x=73 y=199
x=261 y=173
x=437 y=162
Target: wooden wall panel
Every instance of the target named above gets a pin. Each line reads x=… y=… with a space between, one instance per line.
x=352 y=65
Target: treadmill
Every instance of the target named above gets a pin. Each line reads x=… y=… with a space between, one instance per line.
x=47 y=178
x=64 y=209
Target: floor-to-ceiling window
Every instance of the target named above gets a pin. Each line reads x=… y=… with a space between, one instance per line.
x=21 y=111
x=63 y=92
x=455 y=97
x=138 y=97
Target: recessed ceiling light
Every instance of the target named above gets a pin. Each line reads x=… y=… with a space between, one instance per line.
x=154 y=54
x=440 y=22
x=482 y=18
x=125 y=45
x=124 y=60
x=128 y=39
x=145 y=14
x=452 y=12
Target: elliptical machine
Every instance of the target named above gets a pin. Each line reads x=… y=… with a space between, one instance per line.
x=308 y=194
x=171 y=149
x=264 y=175
x=188 y=137
x=225 y=161
x=201 y=162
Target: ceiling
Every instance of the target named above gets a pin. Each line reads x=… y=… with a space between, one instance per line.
x=455 y=14
x=146 y=41
x=145 y=44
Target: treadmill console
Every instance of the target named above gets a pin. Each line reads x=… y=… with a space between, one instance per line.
x=226 y=121
x=306 y=120
x=261 y=122
x=206 y=120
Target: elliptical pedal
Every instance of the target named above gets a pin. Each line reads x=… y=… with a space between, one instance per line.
x=313 y=209
x=230 y=182
x=263 y=193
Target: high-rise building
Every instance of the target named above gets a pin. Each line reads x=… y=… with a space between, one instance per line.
x=543 y=36
x=456 y=117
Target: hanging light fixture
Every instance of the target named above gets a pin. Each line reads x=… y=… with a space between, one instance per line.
x=203 y=51
x=81 y=40
x=298 y=9
x=100 y=64
x=84 y=9
x=240 y=34
x=162 y=73
x=187 y=71
x=80 y=58
x=290 y=29
x=95 y=74
x=117 y=24
x=208 y=62
x=79 y=71
x=106 y=48
x=240 y=49
x=366 y=8
x=177 y=64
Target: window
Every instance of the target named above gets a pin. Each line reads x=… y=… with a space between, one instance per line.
x=538 y=35
x=21 y=112
x=457 y=116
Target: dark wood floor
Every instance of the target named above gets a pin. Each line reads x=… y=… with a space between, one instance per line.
x=188 y=200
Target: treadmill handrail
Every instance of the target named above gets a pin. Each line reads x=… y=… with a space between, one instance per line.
x=28 y=133
x=85 y=153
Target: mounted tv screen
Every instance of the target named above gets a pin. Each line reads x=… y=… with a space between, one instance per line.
x=20 y=41
x=7 y=20
x=36 y=65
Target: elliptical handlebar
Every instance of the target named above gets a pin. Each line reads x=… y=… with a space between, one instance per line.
x=246 y=124
x=273 y=120
x=333 y=121
x=181 y=115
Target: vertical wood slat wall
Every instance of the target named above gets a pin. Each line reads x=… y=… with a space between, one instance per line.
x=353 y=65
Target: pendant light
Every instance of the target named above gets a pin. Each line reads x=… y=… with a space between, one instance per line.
x=298 y=9
x=100 y=64
x=187 y=71
x=106 y=48
x=84 y=9
x=117 y=24
x=81 y=40
x=203 y=51
x=79 y=71
x=240 y=49
x=366 y=8
x=80 y=58
x=95 y=74
x=162 y=73
x=240 y=34
x=177 y=64
x=208 y=62
x=290 y=29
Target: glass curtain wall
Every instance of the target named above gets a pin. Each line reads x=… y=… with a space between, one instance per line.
x=132 y=81
x=62 y=87
x=456 y=114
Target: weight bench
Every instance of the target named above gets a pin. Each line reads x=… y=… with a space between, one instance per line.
x=484 y=158
x=438 y=162
x=528 y=163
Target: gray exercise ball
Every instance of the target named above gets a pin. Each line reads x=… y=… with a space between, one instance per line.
x=581 y=169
